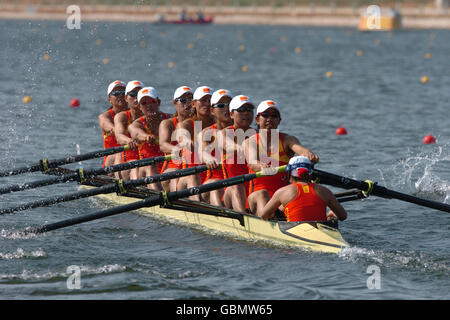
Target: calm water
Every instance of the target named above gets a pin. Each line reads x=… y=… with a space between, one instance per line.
x=377 y=96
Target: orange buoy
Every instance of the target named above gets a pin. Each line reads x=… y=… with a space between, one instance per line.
x=429 y=139
x=75 y=103
x=341 y=131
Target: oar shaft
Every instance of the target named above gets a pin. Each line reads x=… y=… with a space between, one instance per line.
x=147 y=202
x=108 y=188
x=46 y=164
x=347 y=183
x=81 y=175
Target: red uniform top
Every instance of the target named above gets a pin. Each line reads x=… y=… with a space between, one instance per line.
x=149 y=149
x=235 y=165
x=274 y=182
x=191 y=160
x=129 y=155
x=218 y=173
x=306 y=206
x=170 y=164
x=109 y=139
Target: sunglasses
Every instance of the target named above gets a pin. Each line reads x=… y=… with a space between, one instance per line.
x=132 y=94
x=271 y=115
x=183 y=100
x=148 y=102
x=245 y=108
x=220 y=105
x=118 y=93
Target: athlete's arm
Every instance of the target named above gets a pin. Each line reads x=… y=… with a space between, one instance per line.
x=294 y=144
x=331 y=201
x=105 y=122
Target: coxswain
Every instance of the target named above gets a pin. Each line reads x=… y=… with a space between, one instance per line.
x=303 y=200
x=116 y=97
x=145 y=131
x=268 y=149
x=233 y=160
x=168 y=142
x=121 y=122
x=190 y=129
x=211 y=140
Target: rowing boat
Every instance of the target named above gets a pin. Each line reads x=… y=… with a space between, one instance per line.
x=313 y=235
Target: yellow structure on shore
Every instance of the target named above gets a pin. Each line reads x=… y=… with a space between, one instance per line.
x=376 y=20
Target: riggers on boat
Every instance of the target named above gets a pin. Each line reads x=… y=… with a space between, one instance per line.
x=314 y=235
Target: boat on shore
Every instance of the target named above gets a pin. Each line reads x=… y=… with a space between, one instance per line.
x=186 y=21
x=319 y=236
x=375 y=19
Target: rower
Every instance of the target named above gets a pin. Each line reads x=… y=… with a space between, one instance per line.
x=191 y=127
x=233 y=160
x=168 y=143
x=116 y=96
x=303 y=200
x=267 y=149
x=145 y=131
x=212 y=145
x=121 y=122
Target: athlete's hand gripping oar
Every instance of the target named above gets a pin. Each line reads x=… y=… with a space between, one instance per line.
x=81 y=175
x=368 y=187
x=160 y=199
x=45 y=164
x=118 y=186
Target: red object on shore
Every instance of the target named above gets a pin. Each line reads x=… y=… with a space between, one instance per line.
x=341 y=131
x=75 y=103
x=187 y=21
x=429 y=139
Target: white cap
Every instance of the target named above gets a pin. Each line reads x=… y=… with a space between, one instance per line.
x=147 y=92
x=132 y=85
x=218 y=94
x=200 y=92
x=298 y=164
x=239 y=101
x=180 y=91
x=267 y=104
x=114 y=84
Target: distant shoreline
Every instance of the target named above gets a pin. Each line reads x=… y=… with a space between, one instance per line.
x=412 y=18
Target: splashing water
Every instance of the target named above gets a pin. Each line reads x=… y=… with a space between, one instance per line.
x=423 y=174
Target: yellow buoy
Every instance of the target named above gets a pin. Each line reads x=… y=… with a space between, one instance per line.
x=283 y=39
x=298 y=49
x=200 y=36
x=359 y=53
x=424 y=79
x=329 y=74
x=427 y=55
x=244 y=69
x=171 y=64
x=143 y=44
x=26 y=99
x=98 y=42
x=242 y=47
x=377 y=41
x=105 y=61
x=190 y=46
x=46 y=56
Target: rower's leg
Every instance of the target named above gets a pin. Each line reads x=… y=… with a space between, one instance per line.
x=166 y=184
x=236 y=196
x=189 y=182
x=213 y=197
x=151 y=171
x=134 y=173
x=257 y=200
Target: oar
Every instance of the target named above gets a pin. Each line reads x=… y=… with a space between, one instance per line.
x=45 y=164
x=81 y=175
x=160 y=199
x=118 y=186
x=368 y=187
